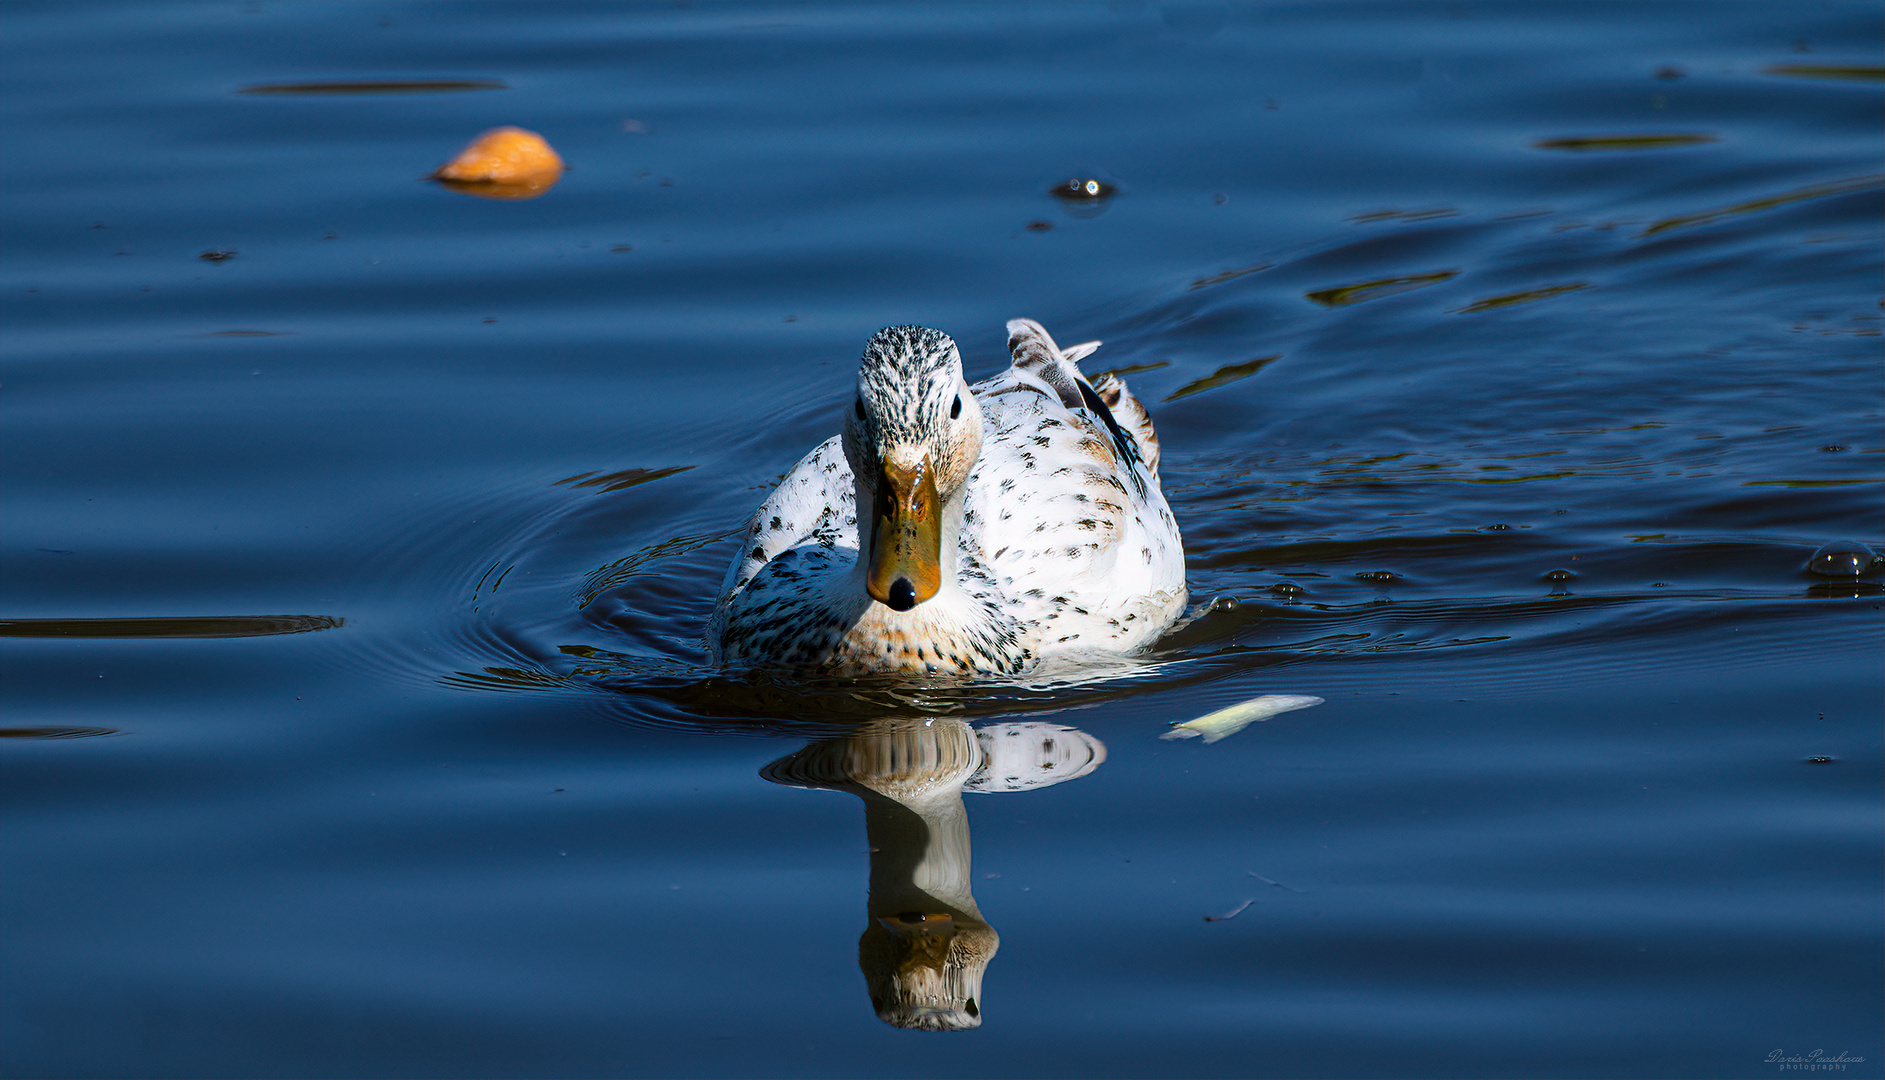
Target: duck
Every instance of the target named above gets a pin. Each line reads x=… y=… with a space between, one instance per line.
x=1004 y=526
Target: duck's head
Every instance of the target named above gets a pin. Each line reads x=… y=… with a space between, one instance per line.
x=912 y=437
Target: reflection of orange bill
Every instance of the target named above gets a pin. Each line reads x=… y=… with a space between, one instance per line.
x=503 y=163
x=906 y=537
x=909 y=923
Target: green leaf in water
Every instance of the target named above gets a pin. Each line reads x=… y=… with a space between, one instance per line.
x=1814 y=191
x=1432 y=213
x=1843 y=72
x=1517 y=298
x=1602 y=143
x=1228 y=275
x=1131 y=369
x=1344 y=295
x=1223 y=375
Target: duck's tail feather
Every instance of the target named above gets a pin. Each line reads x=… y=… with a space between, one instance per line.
x=1034 y=351
x=1131 y=415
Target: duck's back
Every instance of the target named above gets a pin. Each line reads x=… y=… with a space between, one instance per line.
x=1065 y=508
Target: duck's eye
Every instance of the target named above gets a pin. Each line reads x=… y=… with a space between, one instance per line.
x=955 y=410
x=858 y=408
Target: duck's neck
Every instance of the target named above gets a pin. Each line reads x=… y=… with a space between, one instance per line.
x=919 y=852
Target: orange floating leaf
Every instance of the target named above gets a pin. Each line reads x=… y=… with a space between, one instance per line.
x=503 y=163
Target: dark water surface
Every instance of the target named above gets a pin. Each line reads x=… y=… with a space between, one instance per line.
x=1511 y=363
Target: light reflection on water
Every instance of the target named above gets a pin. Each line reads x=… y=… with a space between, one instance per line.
x=1516 y=372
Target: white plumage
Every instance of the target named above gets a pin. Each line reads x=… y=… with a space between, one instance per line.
x=1016 y=521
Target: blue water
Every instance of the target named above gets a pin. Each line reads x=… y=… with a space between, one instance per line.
x=1464 y=294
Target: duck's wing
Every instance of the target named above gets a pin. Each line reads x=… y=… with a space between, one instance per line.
x=1130 y=415
x=816 y=503
x=1108 y=400
x=1034 y=352
x=1067 y=510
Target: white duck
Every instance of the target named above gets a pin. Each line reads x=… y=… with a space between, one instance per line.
x=1012 y=522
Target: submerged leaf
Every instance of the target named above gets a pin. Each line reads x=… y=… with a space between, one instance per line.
x=1230 y=373
x=1370 y=217
x=1344 y=295
x=1129 y=369
x=1517 y=298
x=1812 y=191
x=1228 y=275
x=1853 y=72
x=1227 y=722
x=1598 y=143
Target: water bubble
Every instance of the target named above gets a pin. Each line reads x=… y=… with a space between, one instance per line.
x=1084 y=196
x=1378 y=575
x=1841 y=558
x=1083 y=189
x=1287 y=589
x=1558 y=576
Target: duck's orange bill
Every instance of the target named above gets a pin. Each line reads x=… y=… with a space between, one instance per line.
x=906 y=537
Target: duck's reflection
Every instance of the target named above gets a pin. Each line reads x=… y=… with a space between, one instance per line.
x=926 y=945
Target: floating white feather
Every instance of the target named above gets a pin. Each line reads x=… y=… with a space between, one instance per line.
x=1226 y=722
